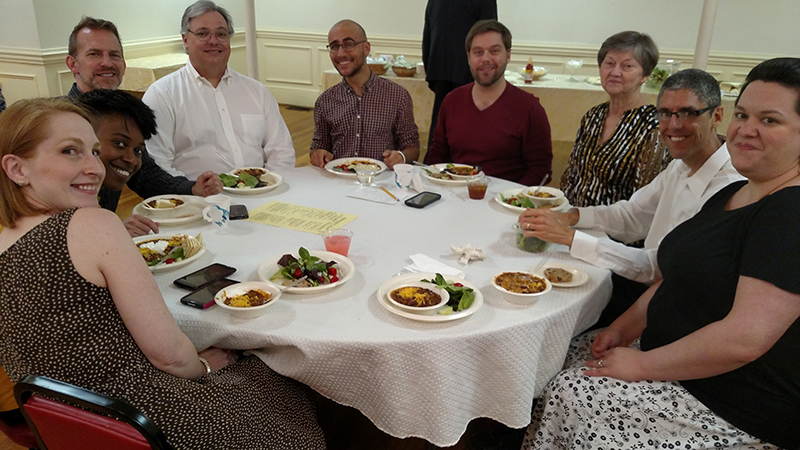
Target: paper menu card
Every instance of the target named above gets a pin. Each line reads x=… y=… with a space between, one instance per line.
x=300 y=218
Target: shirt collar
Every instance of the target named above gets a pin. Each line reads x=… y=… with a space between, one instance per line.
x=200 y=80
x=368 y=85
x=699 y=181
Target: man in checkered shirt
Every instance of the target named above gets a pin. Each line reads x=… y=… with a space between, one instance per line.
x=364 y=115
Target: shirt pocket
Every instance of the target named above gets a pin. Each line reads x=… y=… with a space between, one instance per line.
x=254 y=130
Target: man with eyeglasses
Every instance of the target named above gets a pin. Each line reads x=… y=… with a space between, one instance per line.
x=689 y=112
x=210 y=116
x=96 y=59
x=364 y=115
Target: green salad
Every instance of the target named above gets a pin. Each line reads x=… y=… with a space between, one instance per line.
x=461 y=297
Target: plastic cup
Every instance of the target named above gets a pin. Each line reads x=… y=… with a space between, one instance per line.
x=477 y=187
x=366 y=173
x=338 y=241
x=402 y=175
x=218 y=211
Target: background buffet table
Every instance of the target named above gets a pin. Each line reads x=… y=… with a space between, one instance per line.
x=410 y=378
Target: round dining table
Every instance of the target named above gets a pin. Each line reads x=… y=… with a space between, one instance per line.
x=409 y=377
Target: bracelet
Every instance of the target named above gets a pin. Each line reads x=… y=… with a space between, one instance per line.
x=205 y=363
x=403 y=155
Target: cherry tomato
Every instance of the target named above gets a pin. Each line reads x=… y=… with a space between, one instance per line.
x=297 y=273
x=334 y=279
x=332 y=271
x=458 y=284
x=169 y=261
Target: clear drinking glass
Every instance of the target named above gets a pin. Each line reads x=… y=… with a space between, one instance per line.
x=366 y=173
x=573 y=65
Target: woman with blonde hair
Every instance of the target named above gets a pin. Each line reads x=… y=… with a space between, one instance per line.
x=78 y=304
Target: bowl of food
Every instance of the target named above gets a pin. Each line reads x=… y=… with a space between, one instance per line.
x=247 y=300
x=164 y=205
x=419 y=298
x=545 y=195
x=404 y=71
x=529 y=243
x=461 y=171
x=521 y=288
x=378 y=68
x=535 y=74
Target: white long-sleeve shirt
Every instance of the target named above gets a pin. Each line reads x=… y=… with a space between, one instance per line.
x=652 y=212
x=200 y=127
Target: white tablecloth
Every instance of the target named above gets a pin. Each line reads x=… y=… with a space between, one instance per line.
x=410 y=378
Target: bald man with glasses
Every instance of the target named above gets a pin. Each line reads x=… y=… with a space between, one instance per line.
x=365 y=115
x=209 y=116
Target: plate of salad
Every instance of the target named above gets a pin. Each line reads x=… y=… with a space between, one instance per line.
x=250 y=180
x=323 y=270
x=465 y=297
x=167 y=251
x=346 y=167
x=511 y=199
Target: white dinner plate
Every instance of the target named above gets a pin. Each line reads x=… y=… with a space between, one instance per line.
x=456 y=181
x=579 y=277
x=276 y=180
x=164 y=267
x=189 y=213
x=401 y=280
x=338 y=162
x=345 y=271
x=513 y=192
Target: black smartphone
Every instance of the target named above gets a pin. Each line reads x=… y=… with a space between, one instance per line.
x=204 y=297
x=423 y=199
x=204 y=276
x=239 y=212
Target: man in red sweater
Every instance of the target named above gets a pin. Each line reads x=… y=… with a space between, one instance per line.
x=490 y=122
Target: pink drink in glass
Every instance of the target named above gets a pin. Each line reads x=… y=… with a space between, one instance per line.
x=338 y=241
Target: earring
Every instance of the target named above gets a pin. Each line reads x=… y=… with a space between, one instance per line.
x=21 y=183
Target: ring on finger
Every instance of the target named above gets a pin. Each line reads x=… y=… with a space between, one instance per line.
x=600 y=363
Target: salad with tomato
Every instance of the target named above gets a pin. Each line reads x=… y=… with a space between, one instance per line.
x=316 y=271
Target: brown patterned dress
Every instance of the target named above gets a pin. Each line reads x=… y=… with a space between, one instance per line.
x=55 y=323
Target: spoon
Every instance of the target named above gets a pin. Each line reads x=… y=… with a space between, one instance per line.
x=544 y=180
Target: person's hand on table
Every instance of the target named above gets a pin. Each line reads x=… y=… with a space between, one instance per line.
x=392 y=157
x=208 y=183
x=622 y=363
x=320 y=157
x=549 y=225
x=218 y=358
x=138 y=225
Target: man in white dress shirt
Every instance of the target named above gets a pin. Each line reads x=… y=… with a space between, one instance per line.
x=689 y=112
x=209 y=116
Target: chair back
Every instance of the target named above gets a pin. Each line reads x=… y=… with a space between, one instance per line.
x=67 y=417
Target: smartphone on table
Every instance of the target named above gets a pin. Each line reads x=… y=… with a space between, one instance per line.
x=423 y=199
x=204 y=297
x=239 y=212
x=204 y=276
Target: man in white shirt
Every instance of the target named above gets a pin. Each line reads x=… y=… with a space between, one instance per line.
x=689 y=112
x=209 y=116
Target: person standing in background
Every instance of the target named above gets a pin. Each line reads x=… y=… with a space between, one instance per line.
x=447 y=23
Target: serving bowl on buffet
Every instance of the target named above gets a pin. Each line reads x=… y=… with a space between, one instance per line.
x=378 y=68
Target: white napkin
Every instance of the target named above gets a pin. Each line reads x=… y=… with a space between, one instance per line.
x=424 y=263
x=467 y=253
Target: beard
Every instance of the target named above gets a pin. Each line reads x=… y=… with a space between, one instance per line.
x=499 y=73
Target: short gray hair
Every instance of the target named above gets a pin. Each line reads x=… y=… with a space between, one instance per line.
x=642 y=46
x=700 y=82
x=201 y=7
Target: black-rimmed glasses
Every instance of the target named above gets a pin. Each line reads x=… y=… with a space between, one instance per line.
x=683 y=114
x=347 y=45
x=204 y=35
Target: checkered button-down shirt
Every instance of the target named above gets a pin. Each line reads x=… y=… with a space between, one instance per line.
x=381 y=119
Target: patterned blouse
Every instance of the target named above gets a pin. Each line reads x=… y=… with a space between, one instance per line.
x=602 y=174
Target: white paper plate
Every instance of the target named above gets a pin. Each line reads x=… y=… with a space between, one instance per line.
x=579 y=277
x=189 y=213
x=338 y=162
x=594 y=80
x=346 y=270
x=456 y=181
x=277 y=180
x=164 y=267
x=514 y=191
x=401 y=280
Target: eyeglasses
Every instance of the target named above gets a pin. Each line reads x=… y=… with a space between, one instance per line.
x=683 y=114
x=204 y=35
x=347 y=45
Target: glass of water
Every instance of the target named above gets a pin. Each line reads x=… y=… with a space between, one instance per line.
x=366 y=173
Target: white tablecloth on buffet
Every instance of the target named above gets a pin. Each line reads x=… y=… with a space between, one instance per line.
x=410 y=378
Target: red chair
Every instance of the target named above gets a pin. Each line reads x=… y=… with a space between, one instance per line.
x=13 y=425
x=94 y=422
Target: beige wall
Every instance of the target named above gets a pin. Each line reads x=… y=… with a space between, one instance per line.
x=292 y=34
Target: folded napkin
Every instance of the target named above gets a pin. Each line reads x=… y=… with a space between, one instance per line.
x=424 y=263
x=467 y=253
